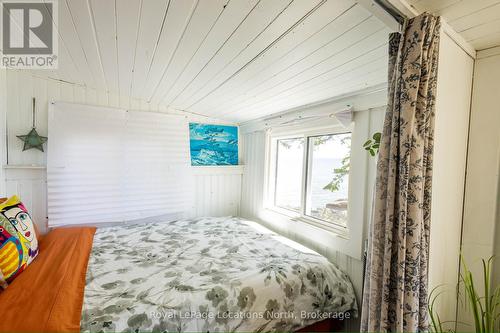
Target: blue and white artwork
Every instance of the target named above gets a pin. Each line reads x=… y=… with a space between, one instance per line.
x=213 y=144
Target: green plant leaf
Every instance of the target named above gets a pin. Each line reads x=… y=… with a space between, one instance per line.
x=372 y=146
x=342 y=171
x=331 y=186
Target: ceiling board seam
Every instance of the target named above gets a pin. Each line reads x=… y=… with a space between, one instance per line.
x=299 y=60
x=216 y=52
x=438 y=9
x=484 y=36
x=479 y=25
x=97 y=44
x=64 y=45
x=300 y=44
x=270 y=46
x=488 y=56
x=316 y=64
x=335 y=67
x=49 y=78
x=153 y=54
x=343 y=87
x=308 y=80
x=243 y=49
x=1 y=48
x=371 y=61
x=480 y=56
x=262 y=103
x=80 y=41
x=245 y=102
x=139 y=22
x=181 y=37
x=195 y=52
x=357 y=87
x=475 y=11
x=359 y=93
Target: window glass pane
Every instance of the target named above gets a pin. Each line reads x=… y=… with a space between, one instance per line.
x=327 y=192
x=290 y=155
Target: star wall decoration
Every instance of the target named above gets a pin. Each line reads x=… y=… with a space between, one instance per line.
x=33 y=140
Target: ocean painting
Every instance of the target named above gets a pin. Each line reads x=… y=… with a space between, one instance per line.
x=213 y=144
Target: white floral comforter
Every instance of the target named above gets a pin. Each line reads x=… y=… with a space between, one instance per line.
x=209 y=274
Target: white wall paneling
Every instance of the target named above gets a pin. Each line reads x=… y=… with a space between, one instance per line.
x=254 y=157
x=23 y=173
x=486 y=87
x=22 y=86
x=481 y=228
x=450 y=151
x=30 y=184
x=217 y=190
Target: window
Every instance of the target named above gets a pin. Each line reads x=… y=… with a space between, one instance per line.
x=311 y=176
x=289 y=160
x=327 y=194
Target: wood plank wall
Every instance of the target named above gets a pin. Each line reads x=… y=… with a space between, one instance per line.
x=216 y=190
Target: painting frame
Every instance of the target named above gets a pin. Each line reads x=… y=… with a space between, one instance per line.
x=213 y=144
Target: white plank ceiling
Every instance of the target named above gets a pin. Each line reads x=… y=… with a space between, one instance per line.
x=231 y=59
x=478 y=21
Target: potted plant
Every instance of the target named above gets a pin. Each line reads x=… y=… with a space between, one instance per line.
x=485 y=308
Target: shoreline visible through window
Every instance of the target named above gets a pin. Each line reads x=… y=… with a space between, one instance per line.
x=328 y=183
x=311 y=176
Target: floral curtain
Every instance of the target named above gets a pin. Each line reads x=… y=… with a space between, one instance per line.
x=395 y=292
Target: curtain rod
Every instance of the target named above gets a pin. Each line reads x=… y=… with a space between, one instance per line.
x=392 y=10
x=400 y=16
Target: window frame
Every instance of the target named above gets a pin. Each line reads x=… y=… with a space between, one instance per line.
x=275 y=172
x=271 y=175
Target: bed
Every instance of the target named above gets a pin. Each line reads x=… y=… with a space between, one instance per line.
x=207 y=274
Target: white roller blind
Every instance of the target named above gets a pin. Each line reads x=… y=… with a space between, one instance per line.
x=112 y=165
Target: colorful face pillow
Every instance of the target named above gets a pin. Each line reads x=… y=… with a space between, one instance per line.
x=3 y=284
x=18 y=242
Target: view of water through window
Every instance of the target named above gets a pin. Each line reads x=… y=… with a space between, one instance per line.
x=290 y=155
x=328 y=153
x=327 y=192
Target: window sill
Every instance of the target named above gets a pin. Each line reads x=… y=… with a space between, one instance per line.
x=337 y=231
